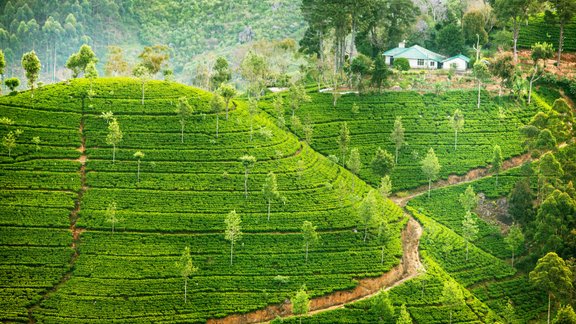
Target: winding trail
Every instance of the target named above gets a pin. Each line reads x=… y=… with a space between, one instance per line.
x=73 y=228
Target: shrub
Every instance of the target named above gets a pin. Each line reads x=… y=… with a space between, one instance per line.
x=401 y=64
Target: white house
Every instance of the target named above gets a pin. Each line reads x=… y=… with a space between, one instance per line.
x=420 y=58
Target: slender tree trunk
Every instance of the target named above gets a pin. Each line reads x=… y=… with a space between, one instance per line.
x=382 y=256
x=516 y=31
x=429 y=187
x=138 y=170
x=246 y=183
x=450 y=316
x=530 y=90
x=548 y=309
x=466 y=250
x=353 y=38
x=455 y=139
x=268 y=209
x=306 y=251
x=185 y=289
x=227 y=102
x=365 y=232
x=479 y=87
x=396 y=159
x=113 y=153
x=113 y=227
x=217 y=125
x=142 y=93
x=560 y=43
x=512 y=258
x=231 y=251
x=54 y=63
x=497 y=180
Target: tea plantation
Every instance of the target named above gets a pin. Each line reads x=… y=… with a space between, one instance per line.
x=61 y=262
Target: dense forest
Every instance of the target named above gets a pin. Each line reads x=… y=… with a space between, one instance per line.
x=252 y=161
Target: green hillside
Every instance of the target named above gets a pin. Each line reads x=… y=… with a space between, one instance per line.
x=65 y=264
x=539 y=30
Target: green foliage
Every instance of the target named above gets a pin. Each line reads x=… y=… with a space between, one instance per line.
x=430 y=167
x=540 y=30
x=111 y=216
x=186 y=269
x=382 y=308
x=468 y=199
x=450 y=40
x=401 y=64
x=12 y=83
x=233 y=232
x=78 y=62
x=31 y=65
x=404 y=316
x=514 y=240
x=114 y=136
x=310 y=236
x=473 y=28
x=301 y=302
x=457 y=123
x=565 y=315
x=154 y=58
x=383 y=162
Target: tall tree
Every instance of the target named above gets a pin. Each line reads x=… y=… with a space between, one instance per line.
x=116 y=64
x=254 y=69
x=554 y=224
x=300 y=303
x=32 y=66
x=297 y=95
x=517 y=11
x=78 y=62
x=382 y=307
x=502 y=66
x=468 y=199
x=270 y=190
x=540 y=53
x=216 y=104
x=383 y=235
x=344 y=141
x=354 y=164
x=248 y=162
x=2 y=68
x=53 y=31
x=430 y=168
x=9 y=142
x=186 y=268
x=139 y=155
x=564 y=12
x=233 y=232
x=222 y=73
x=452 y=296
x=141 y=72
x=154 y=58
x=473 y=24
x=552 y=275
x=310 y=236
x=457 y=124
x=481 y=73
x=111 y=216
x=514 y=240
x=91 y=73
x=383 y=162
x=497 y=162
x=114 y=136
x=385 y=186
x=469 y=229
x=368 y=211
x=227 y=92
x=397 y=136
x=184 y=111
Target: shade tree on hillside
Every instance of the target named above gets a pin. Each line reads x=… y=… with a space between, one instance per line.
x=554 y=224
x=564 y=11
x=344 y=141
x=12 y=83
x=502 y=67
x=383 y=162
x=154 y=58
x=368 y=212
x=186 y=268
x=457 y=124
x=300 y=303
x=78 y=62
x=254 y=69
x=468 y=199
x=184 y=111
x=430 y=168
x=514 y=240
x=138 y=155
x=297 y=96
x=2 y=68
x=270 y=190
x=383 y=234
x=216 y=105
x=309 y=235
x=540 y=53
x=31 y=65
x=482 y=74
x=91 y=73
x=452 y=296
x=469 y=229
x=222 y=74
x=111 y=216
x=252 y=111
x=227 y=91
x=114 y=136
x=248 y=162
x=233 y=232
x=9 y=140
x=141 y=72
x=385 y=188
x=116 y=64
x=497 y=161
x=354 y=164
x=397 y=137
x=552 y=275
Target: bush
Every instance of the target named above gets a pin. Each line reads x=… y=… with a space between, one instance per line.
x=12 y=83
x=401 y=64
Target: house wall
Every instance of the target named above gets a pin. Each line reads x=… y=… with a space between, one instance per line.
x=460 y=64
x=414 y=64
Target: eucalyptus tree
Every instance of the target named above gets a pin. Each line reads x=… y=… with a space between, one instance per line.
x=186 y=268
x=227 y=92
x=184 y=111
x=31 y=65
x=248 y=162
x=139 y=155
x=233 y=232
x=457 y=124
x=114 y=136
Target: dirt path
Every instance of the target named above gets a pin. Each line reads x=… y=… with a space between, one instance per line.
x=408 y=268
x=74 y=230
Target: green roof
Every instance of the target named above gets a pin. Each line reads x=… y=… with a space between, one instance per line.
x=415 y=52
x=460 y=56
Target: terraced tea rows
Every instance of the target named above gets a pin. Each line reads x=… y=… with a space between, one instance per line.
x=184 y=193
x=538 y=30
x=425 y=119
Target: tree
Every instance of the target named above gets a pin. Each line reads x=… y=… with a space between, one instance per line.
x=12 y=83
x=383 y=235
x=344 y=140
x=430 y=167
x=154 y=58
x=233 y=232
x=383 y=162
x=452 y=296
x=385 y=186
x=270 y=190
x=114 y=136
x=382 y=307
x=397 y=137
x=115 y=64
x=360 y=67
x=139 y=155
x=517 y=11
x=301 y=303
x=404 y=316
x=227 y=92
x=308 y=129
x=564 y=12
x=254 y=69
x=565 y=315
x=450 y=40
x=380 y=73
x=78 y=62
x=141 y=72
x=2 y=67
x=540 y=53
x=32 y=66
x=481 y=73
x=554 y=224
x=36 y=140
x=497 y=162
x=217 y=103
x=469 y=229
x=252 y=111
x=514 y=240
x=473 y=24
x=552 y=275
x=222 y=75
x=368 y=211
x=468 y=199
x=401 y=64
x=186 y=269
x=184 y=111
x=111 y=216
x=9 y=142
x=520 y=202
x=297 y=95
x=503 y=67
x=310 y=236
x=91 y=73
x=354 y=164
x=248 y=162
x=457 y=123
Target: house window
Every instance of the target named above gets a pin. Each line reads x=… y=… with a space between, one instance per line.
x=420 y=62
x=432 y=63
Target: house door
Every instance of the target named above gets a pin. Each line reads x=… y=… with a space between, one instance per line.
x=391 y=60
